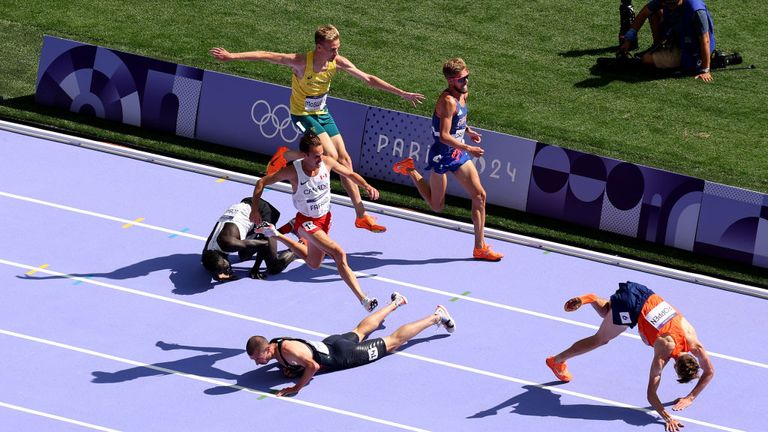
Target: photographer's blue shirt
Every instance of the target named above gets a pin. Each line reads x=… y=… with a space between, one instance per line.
x=684 y=26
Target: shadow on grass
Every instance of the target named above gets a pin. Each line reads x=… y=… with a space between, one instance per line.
x=608 y=69
x=588 y=52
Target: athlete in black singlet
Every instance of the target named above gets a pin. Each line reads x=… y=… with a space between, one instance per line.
x=303 y=358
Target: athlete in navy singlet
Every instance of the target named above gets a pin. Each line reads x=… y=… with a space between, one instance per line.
x=300 y=358
x=449 y=153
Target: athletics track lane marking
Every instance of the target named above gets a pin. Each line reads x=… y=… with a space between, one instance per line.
x=54 y=416
x=207 y=380
x=322 y=335
x=370 y=276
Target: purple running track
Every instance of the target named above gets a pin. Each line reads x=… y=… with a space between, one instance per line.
x=109 y=322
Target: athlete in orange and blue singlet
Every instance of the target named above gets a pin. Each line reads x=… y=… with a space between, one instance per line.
x=310 y=83
x=660 y=325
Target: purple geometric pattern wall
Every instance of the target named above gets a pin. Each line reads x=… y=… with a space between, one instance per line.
x=733 y=224
x=517 y=173
x=615 y=196
x=114 y=85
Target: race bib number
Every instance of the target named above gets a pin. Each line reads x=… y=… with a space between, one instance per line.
x=309 y=226
x=459 y=135
x=660 y=315
x=625 y=318
x=373 y=353
x=315 y=103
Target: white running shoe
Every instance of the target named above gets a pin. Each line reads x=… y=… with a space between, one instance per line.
x=445 y=319
x=370 y=303
x=398 y=299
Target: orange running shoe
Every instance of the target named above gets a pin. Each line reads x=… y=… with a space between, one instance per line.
x=278 y=161
x=404 y=167
x=485 y=253
x=368 y=222
x=560 y=369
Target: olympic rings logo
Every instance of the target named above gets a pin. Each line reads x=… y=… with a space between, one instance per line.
x=272 y=122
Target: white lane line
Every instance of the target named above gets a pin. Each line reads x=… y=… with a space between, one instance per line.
x=207 y=380
x=322 y=335
x=101 y=215
x=379 y=278
x=55 y=417
x=565 y=392
x=361 y=416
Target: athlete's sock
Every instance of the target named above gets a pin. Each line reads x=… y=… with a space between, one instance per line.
x=576 y=302
x=588 y=298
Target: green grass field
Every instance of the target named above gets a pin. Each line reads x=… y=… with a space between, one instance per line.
x=531 y=64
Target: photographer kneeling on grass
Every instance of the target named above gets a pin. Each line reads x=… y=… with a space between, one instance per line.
x=683 y=36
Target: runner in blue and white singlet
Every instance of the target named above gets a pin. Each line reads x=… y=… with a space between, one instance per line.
x=449 y=153
x=442 y=157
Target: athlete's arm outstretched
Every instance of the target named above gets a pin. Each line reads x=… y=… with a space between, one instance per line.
x=344 y=64
x=294 y=61
x=287 y=173
x=661 y=352
x=707 y=373
x=345 y=171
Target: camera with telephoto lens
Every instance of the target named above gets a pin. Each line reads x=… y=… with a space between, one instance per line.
x=720 y=59
x=626 y=18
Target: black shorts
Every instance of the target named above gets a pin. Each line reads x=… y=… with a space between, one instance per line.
x=346 y=351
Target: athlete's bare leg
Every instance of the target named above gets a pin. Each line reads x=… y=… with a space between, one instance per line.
x=373 y=321
x=607 y=331
x=318 y=245
x=408 y=331
x=334 y=147
x=470 y=180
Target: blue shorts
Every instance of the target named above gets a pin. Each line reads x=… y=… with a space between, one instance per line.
x=443 y=158
x=627 y=302
x=317 y=123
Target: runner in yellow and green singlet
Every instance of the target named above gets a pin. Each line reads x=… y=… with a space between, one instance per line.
x=312 y=75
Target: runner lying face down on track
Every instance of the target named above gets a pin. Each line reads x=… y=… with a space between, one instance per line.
x=303 y=359
x=660 y=326
x=311 y=182
x=234 y=232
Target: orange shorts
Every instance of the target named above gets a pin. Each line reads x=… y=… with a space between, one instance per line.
x=311 y=225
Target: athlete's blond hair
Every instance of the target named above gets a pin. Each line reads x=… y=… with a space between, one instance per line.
x=453 y=67
x=326 y=33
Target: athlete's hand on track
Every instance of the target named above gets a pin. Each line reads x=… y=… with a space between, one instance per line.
x=673 y=425
x=220 y=54
x=682 y=403
x=287 y=391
